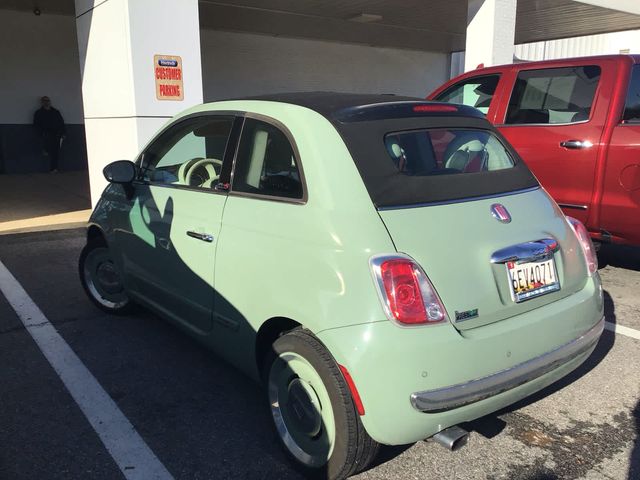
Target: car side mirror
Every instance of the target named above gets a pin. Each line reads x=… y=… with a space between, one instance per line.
x=121 y=171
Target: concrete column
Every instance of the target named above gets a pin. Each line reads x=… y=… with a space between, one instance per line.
x=491 y=26
x=119 y=44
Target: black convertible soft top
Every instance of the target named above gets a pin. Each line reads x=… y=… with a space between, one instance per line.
x=364 y=120
x=345 y=107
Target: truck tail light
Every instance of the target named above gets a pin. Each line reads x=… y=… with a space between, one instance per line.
x=585 y=242
x=405 y=291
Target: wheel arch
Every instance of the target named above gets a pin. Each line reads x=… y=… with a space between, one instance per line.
x=268 y=332
x=95 y=234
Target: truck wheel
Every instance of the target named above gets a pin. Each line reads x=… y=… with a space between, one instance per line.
x=101 y=280
x=312 y=409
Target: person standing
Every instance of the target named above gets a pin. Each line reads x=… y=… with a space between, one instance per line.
x=50 y=125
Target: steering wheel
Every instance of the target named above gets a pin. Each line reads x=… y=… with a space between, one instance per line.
x=211 y=167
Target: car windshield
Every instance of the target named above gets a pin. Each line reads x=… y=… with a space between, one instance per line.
x=442 y=151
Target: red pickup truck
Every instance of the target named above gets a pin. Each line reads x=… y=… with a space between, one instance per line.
x=576 y=122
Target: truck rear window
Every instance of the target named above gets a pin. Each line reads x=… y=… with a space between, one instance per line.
x=632 y=105
x=444 y=151
x=553 y=95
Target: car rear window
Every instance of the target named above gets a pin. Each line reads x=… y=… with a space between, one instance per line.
x=445 y=151
x=433 y=159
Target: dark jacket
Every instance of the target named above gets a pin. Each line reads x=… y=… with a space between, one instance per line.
x=49 y=122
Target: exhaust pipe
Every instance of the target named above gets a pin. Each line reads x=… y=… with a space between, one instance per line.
x=452 y=438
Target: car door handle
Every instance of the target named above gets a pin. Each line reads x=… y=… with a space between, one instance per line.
x=576 y=144
x=205 y=237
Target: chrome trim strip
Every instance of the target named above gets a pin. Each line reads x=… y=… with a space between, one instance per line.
x=269 y=198
x=462 y=394
x=461 y=200
x=571 y=205
x=501 y=125
x=142 y=183
x=526 y=252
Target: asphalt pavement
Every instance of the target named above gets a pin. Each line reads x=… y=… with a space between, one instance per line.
x=204 y=420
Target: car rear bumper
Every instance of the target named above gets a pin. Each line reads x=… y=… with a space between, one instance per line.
x=455 y=396
x=473 y=372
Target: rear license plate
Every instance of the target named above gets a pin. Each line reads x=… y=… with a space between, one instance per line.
x=532 y=279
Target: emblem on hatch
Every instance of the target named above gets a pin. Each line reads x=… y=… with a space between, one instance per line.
x=500 y=213
x=469 y=314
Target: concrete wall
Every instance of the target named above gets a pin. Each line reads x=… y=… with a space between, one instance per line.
x=39 y=57
x=240 y=64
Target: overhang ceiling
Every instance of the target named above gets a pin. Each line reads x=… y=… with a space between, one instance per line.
x=629 y=6
x=413 y=24
x=549 y=19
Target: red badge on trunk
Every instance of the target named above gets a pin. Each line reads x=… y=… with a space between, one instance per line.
x=500 y=213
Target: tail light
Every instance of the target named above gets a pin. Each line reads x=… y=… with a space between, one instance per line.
x=437 y=108
x=405 y=291
x=587 y=245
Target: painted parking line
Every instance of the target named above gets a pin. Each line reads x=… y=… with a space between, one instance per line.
x=132 y=455
x=622 y=330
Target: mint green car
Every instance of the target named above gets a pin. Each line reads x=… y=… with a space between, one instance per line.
x=387 y=267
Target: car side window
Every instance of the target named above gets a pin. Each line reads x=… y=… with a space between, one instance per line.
x=632 y=105
x=266 y=162
x=475 y=92
x=188 y=154
x=553 y=95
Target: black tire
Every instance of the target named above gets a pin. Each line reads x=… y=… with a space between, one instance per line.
x=352 y=448
x=108 y=295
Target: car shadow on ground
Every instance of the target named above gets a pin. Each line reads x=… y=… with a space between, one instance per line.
x=622 y=256
x=199 y=414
